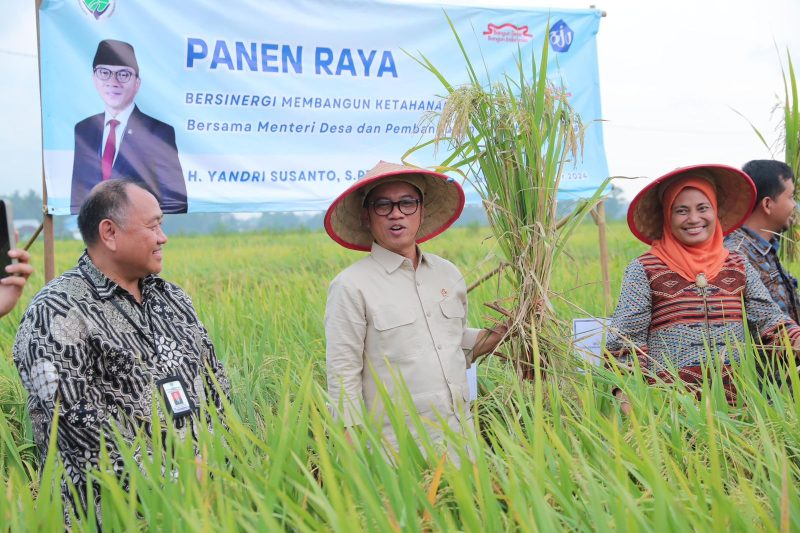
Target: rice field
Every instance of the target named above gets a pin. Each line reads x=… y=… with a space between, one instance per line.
x=555 y=457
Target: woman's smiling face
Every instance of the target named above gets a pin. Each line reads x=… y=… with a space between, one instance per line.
x=693 y=217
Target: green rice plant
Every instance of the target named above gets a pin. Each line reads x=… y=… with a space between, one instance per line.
x=565 y=461
x=789 y=136
x=791 y=144
x=512 y=140
x=791 y=116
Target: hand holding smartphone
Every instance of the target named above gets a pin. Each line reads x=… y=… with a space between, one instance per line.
x=14 y=271
x=7 y=237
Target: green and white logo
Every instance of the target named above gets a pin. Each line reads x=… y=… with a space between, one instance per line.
x=99 y=9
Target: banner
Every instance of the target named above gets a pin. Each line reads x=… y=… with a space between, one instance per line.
x=276 y=106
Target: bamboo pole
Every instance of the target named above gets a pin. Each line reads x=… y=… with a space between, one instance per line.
x=49 y=245
x=33 y=237
x=49 y=226
x=600 y=219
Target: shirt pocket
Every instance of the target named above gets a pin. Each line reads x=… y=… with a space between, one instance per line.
x=453 y=319
x=397 y=332
x=452 y=308
x=432 y=404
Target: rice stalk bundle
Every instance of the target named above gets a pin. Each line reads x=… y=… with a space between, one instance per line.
x=512 y=140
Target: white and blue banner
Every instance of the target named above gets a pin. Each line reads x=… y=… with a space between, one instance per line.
x=278 y=106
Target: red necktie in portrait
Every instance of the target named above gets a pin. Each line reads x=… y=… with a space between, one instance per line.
x=110 y=149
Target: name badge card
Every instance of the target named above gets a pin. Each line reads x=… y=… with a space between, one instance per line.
x=175 y=396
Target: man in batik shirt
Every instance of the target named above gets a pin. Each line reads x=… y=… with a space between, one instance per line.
x=759 y=239
x=105 y=340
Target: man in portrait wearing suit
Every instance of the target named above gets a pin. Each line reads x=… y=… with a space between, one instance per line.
x=122 y=142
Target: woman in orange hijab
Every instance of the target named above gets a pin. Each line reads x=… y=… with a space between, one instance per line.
x=684 y=300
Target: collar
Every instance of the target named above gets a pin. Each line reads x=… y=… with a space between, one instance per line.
x=106 y=288
x=122 y=116
x=391 y=261
x=762 y=245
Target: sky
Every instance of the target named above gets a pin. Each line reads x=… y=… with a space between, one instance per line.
x=676 y=80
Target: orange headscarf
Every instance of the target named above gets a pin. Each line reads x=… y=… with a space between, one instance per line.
x=689 y=261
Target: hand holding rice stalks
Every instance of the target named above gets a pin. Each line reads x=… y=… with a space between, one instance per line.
x=512 y=140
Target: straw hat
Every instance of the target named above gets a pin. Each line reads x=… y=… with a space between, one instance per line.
x=442 y=198
x=736 y=195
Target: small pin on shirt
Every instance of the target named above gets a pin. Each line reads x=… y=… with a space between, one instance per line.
x=701 y=281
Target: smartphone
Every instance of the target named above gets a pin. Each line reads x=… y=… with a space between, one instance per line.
x=7 y=240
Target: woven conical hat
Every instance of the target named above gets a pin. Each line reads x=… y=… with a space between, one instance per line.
x=736 y=195
x=443 y=199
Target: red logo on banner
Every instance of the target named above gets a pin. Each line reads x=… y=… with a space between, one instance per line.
x=507 y=33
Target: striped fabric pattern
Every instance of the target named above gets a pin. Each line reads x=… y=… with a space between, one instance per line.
x=676 y=300
x=665 y=320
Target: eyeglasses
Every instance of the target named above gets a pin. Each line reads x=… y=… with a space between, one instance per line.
x=407 y=206
x=122 y=76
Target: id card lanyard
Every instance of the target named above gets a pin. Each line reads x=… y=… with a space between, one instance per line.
x=149 y=337
x=173 y=388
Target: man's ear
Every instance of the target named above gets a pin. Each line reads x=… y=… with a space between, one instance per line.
x=766 y=204
x=365 y=218
x=108 y=234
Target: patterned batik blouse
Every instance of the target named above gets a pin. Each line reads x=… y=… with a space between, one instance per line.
x=763 y=255
x=668 y=322
x=86 y=344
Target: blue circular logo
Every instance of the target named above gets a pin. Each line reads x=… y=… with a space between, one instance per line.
x=561 y=36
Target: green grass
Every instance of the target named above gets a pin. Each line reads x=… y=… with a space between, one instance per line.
x=560 y=460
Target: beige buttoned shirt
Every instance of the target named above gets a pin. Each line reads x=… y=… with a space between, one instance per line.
x=384 y=317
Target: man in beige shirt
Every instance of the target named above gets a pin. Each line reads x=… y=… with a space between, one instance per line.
x=399 y=313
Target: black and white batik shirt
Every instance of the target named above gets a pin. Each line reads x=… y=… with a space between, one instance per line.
x=86 y=344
